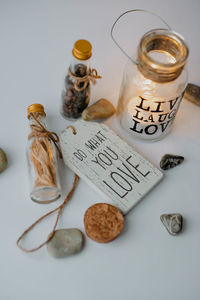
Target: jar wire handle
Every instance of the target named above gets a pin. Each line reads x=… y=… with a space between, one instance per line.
x=116 y=21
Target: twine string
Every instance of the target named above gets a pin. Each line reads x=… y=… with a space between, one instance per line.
x=38 y=130
x=59 y=209
x=90 y=77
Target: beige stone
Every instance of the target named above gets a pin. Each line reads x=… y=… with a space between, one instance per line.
x=192 y=93
x=3 y=160
x=100 y=110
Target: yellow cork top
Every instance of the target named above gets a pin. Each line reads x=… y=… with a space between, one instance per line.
x=36 y=107
x=82 y=50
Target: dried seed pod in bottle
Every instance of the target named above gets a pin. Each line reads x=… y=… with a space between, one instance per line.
x=42 y=158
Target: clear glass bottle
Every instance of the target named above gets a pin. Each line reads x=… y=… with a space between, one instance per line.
x=75 y=94
x=42 y=158
x=153 y=87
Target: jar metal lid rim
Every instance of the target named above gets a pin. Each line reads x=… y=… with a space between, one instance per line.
x=168 y=33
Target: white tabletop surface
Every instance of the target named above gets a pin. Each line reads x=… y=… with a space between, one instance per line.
x=145 y=262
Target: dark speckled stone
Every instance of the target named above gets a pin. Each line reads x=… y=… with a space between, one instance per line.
x=169 y=161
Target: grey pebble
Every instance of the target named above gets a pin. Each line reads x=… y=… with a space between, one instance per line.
x=3 y=160
x=192 y=93
x=65 y=242
x=169 y=161
x=172 y=222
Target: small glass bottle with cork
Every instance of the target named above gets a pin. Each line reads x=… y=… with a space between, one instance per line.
x=77 y=87
x=42 y=158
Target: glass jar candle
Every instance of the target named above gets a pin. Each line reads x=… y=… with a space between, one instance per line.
x=153 y=86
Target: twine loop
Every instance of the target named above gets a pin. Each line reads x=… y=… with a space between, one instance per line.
x=90 y=77
x=59 y=209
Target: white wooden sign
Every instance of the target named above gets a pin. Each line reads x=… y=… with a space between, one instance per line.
x=108 y=164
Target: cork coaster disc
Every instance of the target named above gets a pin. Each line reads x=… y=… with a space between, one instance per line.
x=103 y=222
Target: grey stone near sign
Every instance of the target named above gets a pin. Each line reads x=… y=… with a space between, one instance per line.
x=65 y=242
x=169 y=161
x=172 y=222
x=192 y=93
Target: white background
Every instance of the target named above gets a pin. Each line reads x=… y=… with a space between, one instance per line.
x=145 y=262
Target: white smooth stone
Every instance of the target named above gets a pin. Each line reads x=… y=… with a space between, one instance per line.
x=65 y=242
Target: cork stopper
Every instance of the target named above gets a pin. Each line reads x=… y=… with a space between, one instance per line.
x=82 y=50
x=36 y=107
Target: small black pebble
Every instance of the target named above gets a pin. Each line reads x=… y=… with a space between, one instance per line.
x=169 y=161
